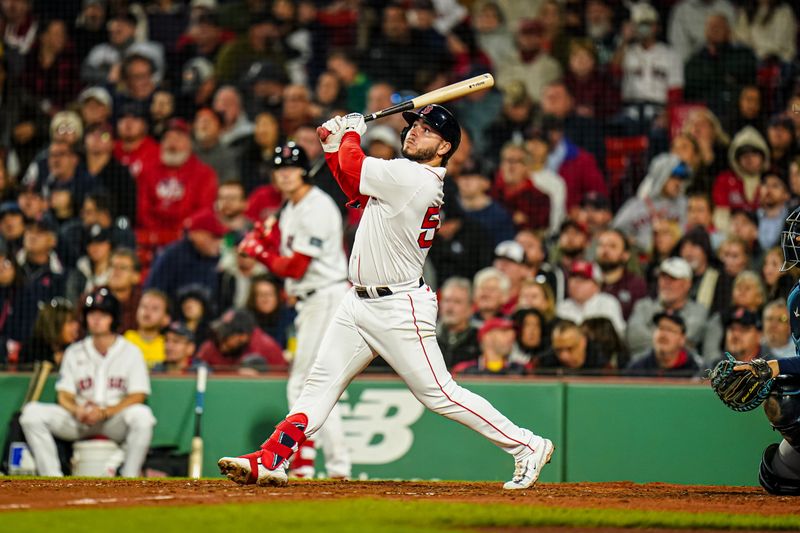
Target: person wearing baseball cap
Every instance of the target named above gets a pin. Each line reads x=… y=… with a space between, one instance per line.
x=509 y=258
x=496 y=338
x=774 y=201
x=134 y=148
x=179 y=349
x=669 y=355
x=93 y=268
x=673 y=294
x=95 y=105
x=573 y=239
x=237 y=343
x=191 y=259
x=585 y=299
x=743 y=335
x=175 y=186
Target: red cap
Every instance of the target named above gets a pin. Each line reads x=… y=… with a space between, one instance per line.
x=585 y=269
x=178 y=124
x=493 y=324
x=206 y=221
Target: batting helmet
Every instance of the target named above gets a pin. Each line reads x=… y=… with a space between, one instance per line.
x=291 y=155
x=102 y=300
x=790 y=241
x=441 y=120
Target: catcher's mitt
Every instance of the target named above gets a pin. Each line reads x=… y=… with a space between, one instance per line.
x=742 y=390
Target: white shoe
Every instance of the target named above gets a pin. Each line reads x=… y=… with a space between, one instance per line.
x=238 y=470
x=526 y=471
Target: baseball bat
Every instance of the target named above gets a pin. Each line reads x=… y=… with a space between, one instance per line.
x=41 y=370
x=438 y=96
x=196 y=455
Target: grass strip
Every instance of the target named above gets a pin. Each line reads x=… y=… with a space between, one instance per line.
x=363 y=515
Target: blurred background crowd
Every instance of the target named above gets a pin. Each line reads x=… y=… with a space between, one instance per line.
x=615 y=206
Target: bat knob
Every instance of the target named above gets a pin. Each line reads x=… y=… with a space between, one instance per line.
x=322 y=133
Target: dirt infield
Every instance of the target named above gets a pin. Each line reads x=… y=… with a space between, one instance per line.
x=16 y=494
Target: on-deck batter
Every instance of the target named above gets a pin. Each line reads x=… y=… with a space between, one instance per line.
x=390 y=311
x=305 y=247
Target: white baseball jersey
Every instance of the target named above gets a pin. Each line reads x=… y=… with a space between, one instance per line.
x=103 y=379
x=399 y=221
x=313 y=227
x=649 y=74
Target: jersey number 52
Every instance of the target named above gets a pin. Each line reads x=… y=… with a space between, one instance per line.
x=430 y=223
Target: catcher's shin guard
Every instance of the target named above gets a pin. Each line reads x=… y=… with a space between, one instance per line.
x=772 y=482
x=782 y=408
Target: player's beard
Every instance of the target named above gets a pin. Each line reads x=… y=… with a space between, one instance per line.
x=422 y=154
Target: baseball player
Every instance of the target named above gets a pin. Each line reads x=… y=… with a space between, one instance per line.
x=779 y=472
x=389 y=310
x=101 y=388
x=306 y=248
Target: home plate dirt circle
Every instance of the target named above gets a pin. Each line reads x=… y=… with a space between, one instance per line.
x=19 y=494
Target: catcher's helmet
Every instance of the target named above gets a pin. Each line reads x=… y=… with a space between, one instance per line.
x=291 y=155
x=441 y=120
x=789 y=241
x=102 y=300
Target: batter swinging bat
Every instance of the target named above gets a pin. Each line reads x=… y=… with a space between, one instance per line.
x=438 y=96
x=196 y=455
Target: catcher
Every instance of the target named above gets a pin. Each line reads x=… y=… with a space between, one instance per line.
x=744 y=386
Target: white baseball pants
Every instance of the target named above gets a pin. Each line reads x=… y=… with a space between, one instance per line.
x=402 y=329
x=313 y=316
x=132 y=426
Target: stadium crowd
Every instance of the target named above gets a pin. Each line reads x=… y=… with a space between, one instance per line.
x=615 y=206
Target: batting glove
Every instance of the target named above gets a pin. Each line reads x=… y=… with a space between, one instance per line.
x=336 y=128
x=252 y=246
x=355 y=122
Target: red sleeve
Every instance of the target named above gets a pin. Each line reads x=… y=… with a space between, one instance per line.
x=346 y=168
x=594 y=179
x=264 y=345
x=144 y=204
x=293 y=267
x=719 y=192
x=674 y=96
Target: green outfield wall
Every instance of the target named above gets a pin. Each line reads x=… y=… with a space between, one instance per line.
x=603 y=430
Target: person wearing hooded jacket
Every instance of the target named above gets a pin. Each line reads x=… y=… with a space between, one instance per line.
x=667 y=202
x=738 y=188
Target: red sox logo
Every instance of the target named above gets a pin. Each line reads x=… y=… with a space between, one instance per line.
x=427 y=109
x=170 y=190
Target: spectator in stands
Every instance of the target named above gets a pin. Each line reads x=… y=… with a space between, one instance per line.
x=585 y=299
x=230 y=207
x=460 y=247
x=529 y=207
x=490 y=294
x=748 y=292
x=652 y=71
x=236 y=271
x=599 y=25
x=473 y=188
x=162 y=109
x=134 y=148
x=204 y=38
x=296 y=109
x=635 y=218
x=782 y=140
x=63 y=172
x=778 y=284
x=700 y=214
x=355 y=82
x=777 y=332
x=513 y=122
x=19 y=35
x=103 y=64
x=92 y=269
x=90 y=27
x=695 y=248
x=329 y=96
x=152 y=316
x=12 y=226
x=535 y=294
x=32 y=202
x=196 y=309
x=716 y=73
x=236 y=126
x=268 y=306
x=531 y=64
x=179 y=349
x=457 y=337
x=258 y=152
x=687 y=24
x=774 y=207
x=738 y=188
x=380 y=96
x=595 y=92
x=545 y=179
x=532 y=337
x=584 y=132
x=576 y=166
x=260 y=42
x=381 y=142
x=744 y=224
x=669 y=356
x=613 y=255
x=573 y=239
x=496 y=338
x=536 y=258
x=56 y=327
x=674 y=284
x=108 y=174
x=595 y=211
x=23 y=124
x=509 y=258
x=192 y=259
x=769 y=27
x=492 y=33
x=748 y=111
x=734 y=255
x=743 y=331
x=711 y=139
x=139 y=83
x=175 y=187
x=124 y=282
x=51 y=68
x=238 y=344
x=571 y=350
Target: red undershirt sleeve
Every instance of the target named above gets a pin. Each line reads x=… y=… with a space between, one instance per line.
x=346 y=168
x=294 y=266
